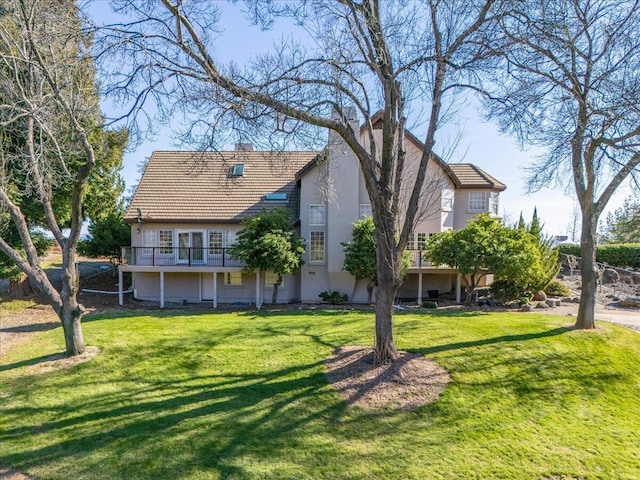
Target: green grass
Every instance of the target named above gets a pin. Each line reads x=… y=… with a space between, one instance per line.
x=243 y=395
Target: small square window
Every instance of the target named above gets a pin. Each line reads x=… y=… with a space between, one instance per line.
x=477 y=201
x=233 y=278
x=237 y=170
x=316 y=215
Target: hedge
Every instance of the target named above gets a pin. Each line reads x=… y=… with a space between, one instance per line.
x=622 y=255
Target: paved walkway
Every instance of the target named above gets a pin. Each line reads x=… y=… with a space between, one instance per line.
x=628 y=318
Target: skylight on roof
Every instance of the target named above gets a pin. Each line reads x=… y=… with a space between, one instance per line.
x=237 y=170
x=275 y=197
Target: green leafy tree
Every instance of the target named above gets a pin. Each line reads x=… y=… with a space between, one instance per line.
x=623 y=225
x=360 y=255
x=267 y=242
x=108 y=233
x=535 y=228
x=548 y=266
x=485 y=246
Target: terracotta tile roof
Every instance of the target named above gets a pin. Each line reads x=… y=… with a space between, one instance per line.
x=470 y=176
x=198 y=186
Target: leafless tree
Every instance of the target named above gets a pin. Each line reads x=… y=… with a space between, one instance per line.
x=46 y=100
x=571 y=83
x=398 y=57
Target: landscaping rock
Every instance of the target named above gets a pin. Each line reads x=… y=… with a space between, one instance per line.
x=526 y=308
x=550 y=302
x=542 y=305
x=636 y=278
x=540 y=296
x=610 y=276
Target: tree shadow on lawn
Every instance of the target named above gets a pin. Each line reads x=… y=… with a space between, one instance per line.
x=206 y=426
x=494 y=340
x=175 y=425
x=28 y=362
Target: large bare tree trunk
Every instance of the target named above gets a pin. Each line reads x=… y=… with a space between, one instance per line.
x=385 y=349
x=586 y=310
x=73 y=340
x=71 y=311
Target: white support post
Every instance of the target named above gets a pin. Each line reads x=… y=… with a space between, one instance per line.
x=120 y=295
x=161 y=289
x=215 y=289
x=258 y=288
x=458 y=289
x=420 y=288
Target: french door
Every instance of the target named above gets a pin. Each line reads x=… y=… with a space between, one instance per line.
x=190 y=247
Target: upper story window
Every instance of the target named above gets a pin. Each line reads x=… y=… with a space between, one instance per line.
x=215 y=242
x=365 y=210
x=316 y=215
x=477 y=201
x=149 y=238
x=411 y=242
x=422 y=241
x=493 y=203
x=229 y=238
x=447 y=199
x=166 y=242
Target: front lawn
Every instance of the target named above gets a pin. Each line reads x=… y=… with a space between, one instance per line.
x=243 y=395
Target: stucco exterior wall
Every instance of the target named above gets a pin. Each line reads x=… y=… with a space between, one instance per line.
x=462 y=214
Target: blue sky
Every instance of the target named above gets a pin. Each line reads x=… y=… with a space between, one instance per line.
x=481 y=143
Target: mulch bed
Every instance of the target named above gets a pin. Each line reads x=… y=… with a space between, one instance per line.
x=412 y=380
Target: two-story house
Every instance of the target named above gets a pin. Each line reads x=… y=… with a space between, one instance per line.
x=187 y=209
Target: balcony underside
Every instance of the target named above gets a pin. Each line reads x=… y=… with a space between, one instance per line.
x=178 y=268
